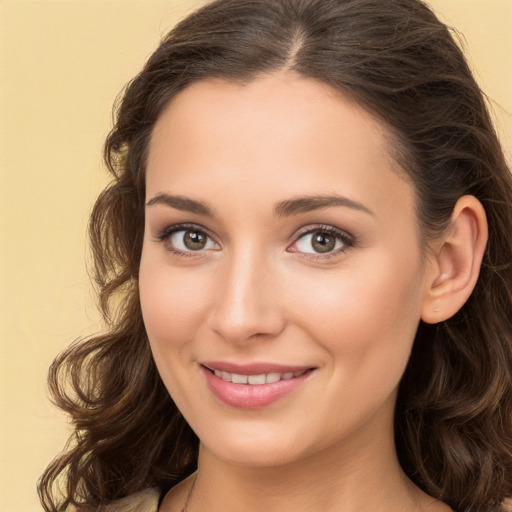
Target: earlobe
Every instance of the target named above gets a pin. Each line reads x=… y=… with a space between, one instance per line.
x=454 y=266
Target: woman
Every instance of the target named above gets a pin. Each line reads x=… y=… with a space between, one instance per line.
x=304 y=263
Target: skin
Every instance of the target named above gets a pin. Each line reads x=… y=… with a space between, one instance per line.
x=258 y=292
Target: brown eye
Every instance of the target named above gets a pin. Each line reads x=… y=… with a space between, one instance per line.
x=190 y=240
x=323 y=242
x=194 y=240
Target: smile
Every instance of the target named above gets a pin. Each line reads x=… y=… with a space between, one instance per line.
x=257 y=380
x=253 y=386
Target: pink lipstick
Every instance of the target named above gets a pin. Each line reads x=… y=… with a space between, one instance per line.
x=255 y=385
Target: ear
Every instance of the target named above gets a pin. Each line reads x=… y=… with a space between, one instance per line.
x=454 y=264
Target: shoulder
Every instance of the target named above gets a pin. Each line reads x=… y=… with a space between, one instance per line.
x=143 y=501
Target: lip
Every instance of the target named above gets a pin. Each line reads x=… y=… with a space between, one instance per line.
x=249 y=396
x=253 y=368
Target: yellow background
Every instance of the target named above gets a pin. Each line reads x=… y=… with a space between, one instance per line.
x=62 y=63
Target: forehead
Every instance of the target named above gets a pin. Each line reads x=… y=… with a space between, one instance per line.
x=283 y=106
x=280 y=135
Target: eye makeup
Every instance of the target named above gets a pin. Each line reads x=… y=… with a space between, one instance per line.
x=194 y=242
x=321 y=241
x=326 y=241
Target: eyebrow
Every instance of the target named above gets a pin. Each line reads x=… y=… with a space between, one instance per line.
x=182 y=203
x=310 y=203
x=282 y=209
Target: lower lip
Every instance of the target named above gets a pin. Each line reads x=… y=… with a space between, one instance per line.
x=249 y=396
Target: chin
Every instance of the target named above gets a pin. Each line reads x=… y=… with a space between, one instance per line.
x=255 y=455
x=253 y=447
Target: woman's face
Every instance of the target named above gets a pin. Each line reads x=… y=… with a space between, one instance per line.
x=281 y=278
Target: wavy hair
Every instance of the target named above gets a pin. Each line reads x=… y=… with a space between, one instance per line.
x=453 y=419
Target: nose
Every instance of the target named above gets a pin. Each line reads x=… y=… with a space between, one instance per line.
x=247 y=306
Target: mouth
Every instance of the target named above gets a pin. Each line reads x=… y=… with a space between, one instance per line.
x=256 y=379
x=253 y=386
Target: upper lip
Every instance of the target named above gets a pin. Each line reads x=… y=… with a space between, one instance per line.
x=256 y=368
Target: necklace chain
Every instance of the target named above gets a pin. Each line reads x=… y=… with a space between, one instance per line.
x=189 y=495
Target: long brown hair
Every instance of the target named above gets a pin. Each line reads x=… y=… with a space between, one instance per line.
x=453 y=418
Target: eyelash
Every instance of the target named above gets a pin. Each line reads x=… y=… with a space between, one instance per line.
x=166 y=233
x=346 y=239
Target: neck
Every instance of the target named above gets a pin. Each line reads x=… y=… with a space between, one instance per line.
x=355 y=475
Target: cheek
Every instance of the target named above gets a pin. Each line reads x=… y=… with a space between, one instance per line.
x=365 y=315
x=173 y=304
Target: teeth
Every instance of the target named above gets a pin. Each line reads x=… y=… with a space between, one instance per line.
x=263 y=378
x=225 y=376
x=256 y=379
x=239 y=379
x=272 y=377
